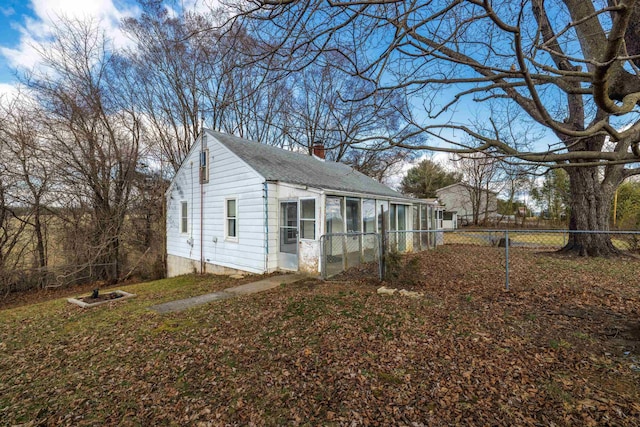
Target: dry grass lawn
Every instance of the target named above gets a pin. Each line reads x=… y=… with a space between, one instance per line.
x=562 y=347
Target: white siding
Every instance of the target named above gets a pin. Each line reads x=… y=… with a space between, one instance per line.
x=254 y=250
x=229 y=177
x=458 y=198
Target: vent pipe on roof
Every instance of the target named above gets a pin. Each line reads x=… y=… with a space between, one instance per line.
x=318 y=149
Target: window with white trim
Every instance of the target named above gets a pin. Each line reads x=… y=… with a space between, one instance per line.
x=231 y=219
x=308 y=219
x=184 y=218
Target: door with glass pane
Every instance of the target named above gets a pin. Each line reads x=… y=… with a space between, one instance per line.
x=288 y=253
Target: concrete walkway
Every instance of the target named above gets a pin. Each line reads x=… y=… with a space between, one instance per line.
x=246 y=289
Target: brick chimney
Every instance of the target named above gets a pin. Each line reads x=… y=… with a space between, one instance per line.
x=318 y=149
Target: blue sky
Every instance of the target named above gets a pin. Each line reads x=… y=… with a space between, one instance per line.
x=12 y=14
x=28 y=22
x=25 y=23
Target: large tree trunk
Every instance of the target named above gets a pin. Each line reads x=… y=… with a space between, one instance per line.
x=106 y=240
x=40 y=239
x=590 y=211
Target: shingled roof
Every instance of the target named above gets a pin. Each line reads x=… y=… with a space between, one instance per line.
x=277 y=164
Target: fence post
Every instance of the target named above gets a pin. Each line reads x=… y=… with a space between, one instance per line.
x=345 y=264
x=380 y=265
x=323 y=261
x=506 y=255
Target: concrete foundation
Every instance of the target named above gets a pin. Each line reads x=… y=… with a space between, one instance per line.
x=177 y=266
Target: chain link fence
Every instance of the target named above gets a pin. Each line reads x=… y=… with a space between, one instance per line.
x=342 y=251
x=498 y=249
x=508 y=248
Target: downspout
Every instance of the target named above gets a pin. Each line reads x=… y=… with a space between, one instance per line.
x=164 y=218
x=201 y=179
x=191 y=211
x=201 y=211
x=266 y=226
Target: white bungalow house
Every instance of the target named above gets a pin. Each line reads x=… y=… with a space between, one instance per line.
x=241 y=206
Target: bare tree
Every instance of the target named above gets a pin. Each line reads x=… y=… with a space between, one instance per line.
x=167 y=67
x=515 y=179
x=190 y=66
x=378 y=160
x=571 y=66
x=479 y=173
x=93 y=132
x=13 y=244
x=332 y=107
x=24 y=161
x=188 y=75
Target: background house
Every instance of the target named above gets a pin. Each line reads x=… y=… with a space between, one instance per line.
x=470 y=205
x=238 y=205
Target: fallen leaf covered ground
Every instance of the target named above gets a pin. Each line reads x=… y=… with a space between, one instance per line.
x=560 y=348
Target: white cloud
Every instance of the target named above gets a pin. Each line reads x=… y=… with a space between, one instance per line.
x=200 y=6
x=445 y=160
x=24 y=55
x=48 y=13
x=48 y=9
x=7 y=91
x=10 y=93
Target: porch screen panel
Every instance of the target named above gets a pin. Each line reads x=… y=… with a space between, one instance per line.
x=424 y=217
x=402 y=217
x=369 y=242
x=402 y=225
x=393 y=222
x=335 y=222
x=384 y=206
x=353 y=215
x=424 y=225
x=393 y=226
x=369 y=215
x=415 y=213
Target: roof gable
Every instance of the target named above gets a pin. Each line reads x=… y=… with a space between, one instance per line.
x=277 y=164
x=467 y=186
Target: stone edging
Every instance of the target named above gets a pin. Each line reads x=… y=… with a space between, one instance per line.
x=78 y=301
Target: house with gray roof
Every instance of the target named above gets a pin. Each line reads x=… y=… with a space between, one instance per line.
x=237 y=205
x=466 y=204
